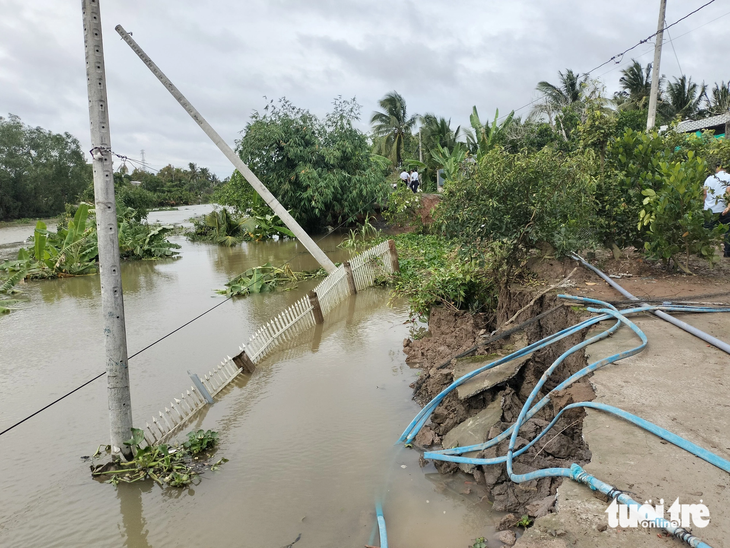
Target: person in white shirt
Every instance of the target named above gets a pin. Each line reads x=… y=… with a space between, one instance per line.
x=414 y=180
x=717 y=200
x=405 y=178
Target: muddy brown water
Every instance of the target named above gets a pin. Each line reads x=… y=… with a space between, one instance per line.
x=309 y=437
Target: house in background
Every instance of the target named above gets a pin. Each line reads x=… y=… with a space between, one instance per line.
x=720 y=124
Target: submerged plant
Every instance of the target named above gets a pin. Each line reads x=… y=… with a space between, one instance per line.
x=164 y=464
x=7 y=291
x=266 y=278
x=362 y=237
x=229 y=229
x=73 y=249
x=200 y=440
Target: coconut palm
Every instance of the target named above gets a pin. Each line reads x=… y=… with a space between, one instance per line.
x=437 y=131
x=683 y=97
x=568 y=93
x=635 y=82
x=391 y=126
x=719 y=100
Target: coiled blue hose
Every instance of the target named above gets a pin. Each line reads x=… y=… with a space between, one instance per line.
x=575 y=472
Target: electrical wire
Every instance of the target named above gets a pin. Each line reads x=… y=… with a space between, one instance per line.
x=164 y=336
x=618 y=58
x=675 y=52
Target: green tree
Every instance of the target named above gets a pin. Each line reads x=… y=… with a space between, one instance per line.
x=437 y=131
x=635 y=83
x=683 y=97
x=675 y=216
x=40 y=171
x=719 y=98
x=562 y=103
x=521 y=200
x=392 y=126
x=321 y=170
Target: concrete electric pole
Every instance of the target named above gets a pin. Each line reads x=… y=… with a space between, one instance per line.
x=112 y=301
x=239 y=164
x=651 y=118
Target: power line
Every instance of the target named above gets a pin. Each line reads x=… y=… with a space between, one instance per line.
x=645 y=40
x=675 y=51
x=618 y=58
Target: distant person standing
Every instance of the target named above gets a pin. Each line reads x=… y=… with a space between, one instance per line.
x=414 y=180
x=717 y=200
x=405 y=177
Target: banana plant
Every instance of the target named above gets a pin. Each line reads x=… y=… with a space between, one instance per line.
x=449 y=160
x=486 y=137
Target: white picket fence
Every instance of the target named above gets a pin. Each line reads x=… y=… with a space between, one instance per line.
x=376 y=262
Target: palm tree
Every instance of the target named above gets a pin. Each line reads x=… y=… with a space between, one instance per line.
x=437 y=131
x=719 y=102
x=683 y=97
x=392 y=125
x=568 y=92
x=636 y=82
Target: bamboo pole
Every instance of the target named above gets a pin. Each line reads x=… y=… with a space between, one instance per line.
x=254 y=181
x=112 y=300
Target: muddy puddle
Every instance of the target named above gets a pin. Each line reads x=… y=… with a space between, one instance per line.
x=310 y=436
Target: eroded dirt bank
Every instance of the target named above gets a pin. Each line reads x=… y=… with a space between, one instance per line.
x=581 y=520
x=453 y=332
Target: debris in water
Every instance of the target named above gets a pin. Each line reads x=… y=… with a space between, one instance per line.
x=295 y=541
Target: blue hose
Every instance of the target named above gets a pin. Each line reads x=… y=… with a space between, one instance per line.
x=575 y=472
x=578 y=474
x=381 y=525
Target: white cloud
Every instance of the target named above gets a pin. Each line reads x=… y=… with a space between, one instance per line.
x=226 y=56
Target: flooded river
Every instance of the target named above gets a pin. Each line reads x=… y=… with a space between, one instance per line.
x=309 y=436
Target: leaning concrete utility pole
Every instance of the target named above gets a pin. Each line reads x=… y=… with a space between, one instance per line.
x=651 y=118
x=112 y=301
x=254 y=181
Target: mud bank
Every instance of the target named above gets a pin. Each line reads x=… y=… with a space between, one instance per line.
x=481 y=410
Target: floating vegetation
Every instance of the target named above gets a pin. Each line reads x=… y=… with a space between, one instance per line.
x=176 y=466
x=265 y=278
x=225 y=228
x=73 y=249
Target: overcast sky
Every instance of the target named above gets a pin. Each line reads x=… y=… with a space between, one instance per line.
x=227 y=55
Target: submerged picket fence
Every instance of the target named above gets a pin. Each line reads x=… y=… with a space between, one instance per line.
x=360 y=273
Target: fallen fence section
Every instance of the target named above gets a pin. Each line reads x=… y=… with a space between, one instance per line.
x=378 y=261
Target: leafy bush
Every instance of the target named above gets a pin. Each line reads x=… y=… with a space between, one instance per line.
x=521 y=200
x=634 y=164
x=434 y=270
x=674 y=214
x=403 y=206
